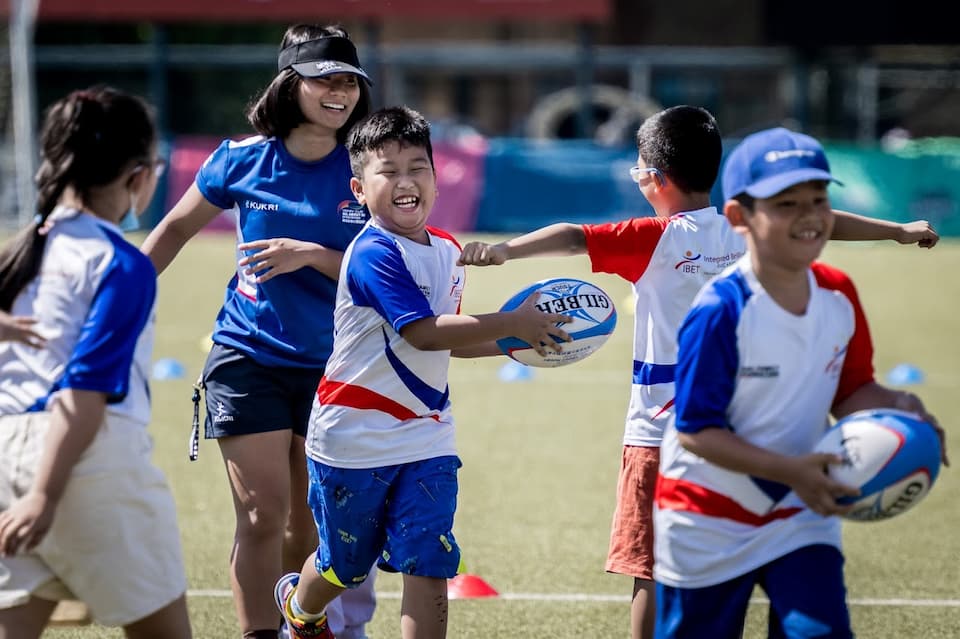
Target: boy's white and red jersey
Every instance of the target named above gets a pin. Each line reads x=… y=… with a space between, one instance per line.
x=668 y=260
x=771 y=377
x=381 y=401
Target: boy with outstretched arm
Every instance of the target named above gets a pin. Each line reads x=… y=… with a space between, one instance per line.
x=667 y=259
x=381 y=454
x=769 y=349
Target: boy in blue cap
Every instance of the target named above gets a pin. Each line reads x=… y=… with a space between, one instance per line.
x=770 y=348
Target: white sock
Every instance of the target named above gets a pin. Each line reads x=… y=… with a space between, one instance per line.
x=300 y=613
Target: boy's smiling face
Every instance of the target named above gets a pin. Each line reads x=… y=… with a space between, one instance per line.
x=399 y=187
x=791 y=227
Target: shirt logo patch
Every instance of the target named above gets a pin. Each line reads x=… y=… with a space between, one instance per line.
x=456 y=288
x=765 y=372
x=835 y=365
x=253 y=205
x=352 y=212
x=689 y=263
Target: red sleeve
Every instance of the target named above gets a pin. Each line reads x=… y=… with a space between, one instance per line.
x=444 y=234
x=624 y=248
x=858 y=363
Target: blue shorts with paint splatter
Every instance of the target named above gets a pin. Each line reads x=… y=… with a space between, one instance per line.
x=401 y=516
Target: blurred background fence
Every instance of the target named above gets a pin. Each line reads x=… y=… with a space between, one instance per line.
x=534 y=102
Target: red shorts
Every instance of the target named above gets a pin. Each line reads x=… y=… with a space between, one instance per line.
x=631 y=536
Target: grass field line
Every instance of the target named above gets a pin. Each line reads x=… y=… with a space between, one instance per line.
x=595 y=598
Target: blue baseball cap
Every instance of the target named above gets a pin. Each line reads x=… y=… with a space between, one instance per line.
x=767 y=162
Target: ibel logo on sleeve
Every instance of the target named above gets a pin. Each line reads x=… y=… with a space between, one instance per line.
x=835 y=365
x=352 y=212
x=456 y=288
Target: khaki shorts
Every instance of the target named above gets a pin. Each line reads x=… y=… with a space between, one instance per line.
x=631 y=536
x=114 y=542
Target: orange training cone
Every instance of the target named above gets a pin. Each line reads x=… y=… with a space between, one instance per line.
x=465 y=586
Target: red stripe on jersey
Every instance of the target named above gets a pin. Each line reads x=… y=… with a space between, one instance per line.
x=624 y=248
x=444 y=234
x=665 y=408
x=677 y=494
x=858 y=363
x=352 y=396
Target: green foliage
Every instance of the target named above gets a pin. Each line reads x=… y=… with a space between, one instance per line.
x=541 y=458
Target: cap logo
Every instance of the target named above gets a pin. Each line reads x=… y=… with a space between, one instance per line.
x=773 y=156
x=325 y=66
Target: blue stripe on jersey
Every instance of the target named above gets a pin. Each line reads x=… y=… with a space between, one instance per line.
x=772 y=489
x=121 y=307
x=431 y=397
x=647 y=373
x=707 y=357
x=378 y=278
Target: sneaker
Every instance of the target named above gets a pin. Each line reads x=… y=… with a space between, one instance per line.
x=297 y=629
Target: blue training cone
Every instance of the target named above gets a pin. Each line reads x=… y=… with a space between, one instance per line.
x=168 y=368
x=904 y=375
x=514 y=371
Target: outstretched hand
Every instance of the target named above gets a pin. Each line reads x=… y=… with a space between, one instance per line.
x=274 y=256
x=482 y=254
x=815 y=487
x=25 y=523
x=540 y=330
x=919 y=232
x=20 y=329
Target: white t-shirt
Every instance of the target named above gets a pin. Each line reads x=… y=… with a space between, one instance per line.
x=667 y=260
x=94 y=301
x=771 y=377
x=382 y=401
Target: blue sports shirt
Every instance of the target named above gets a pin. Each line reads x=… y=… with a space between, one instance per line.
x=288 y=320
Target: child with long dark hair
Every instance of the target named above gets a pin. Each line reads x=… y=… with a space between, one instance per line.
x=83 y=512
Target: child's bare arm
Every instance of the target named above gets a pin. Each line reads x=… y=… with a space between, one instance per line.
x=554 y=240
x=484 y=349
x=805 y=474
x=449 y=332
x=850 y=226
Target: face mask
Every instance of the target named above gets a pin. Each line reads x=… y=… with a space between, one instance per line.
x=130 y=221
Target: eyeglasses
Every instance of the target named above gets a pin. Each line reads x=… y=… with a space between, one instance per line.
x=637 y=173
x=159 y=166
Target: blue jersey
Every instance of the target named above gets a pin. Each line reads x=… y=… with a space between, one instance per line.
x=94 y=303
x=288 y=320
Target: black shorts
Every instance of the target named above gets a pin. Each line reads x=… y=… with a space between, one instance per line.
x=244 y=397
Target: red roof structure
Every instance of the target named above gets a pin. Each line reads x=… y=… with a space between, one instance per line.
x=166 y=11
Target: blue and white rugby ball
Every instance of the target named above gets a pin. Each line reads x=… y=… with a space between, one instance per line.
x=592 y=310
x=892 y=456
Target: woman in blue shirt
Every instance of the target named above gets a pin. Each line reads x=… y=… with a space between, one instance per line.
x=289 y=189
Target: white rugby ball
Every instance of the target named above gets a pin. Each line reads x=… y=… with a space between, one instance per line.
x=892 y=456
x=592 y=311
